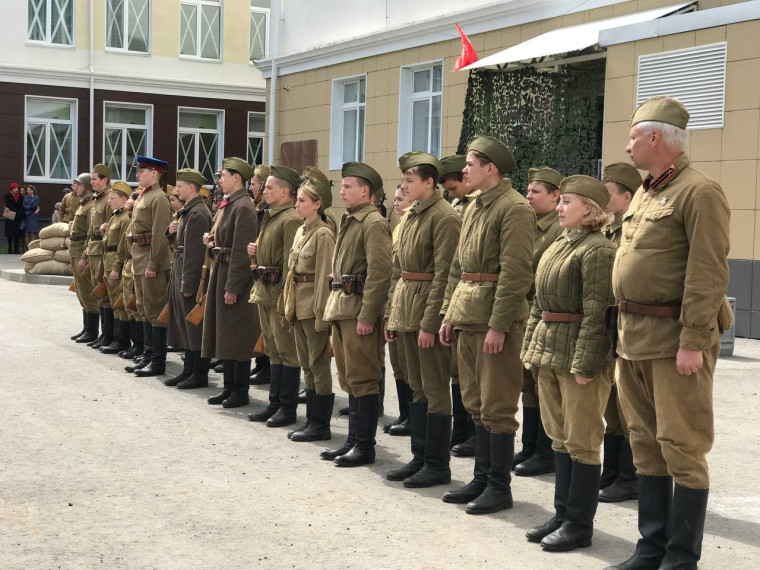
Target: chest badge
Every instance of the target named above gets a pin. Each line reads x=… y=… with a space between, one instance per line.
x=664 y=200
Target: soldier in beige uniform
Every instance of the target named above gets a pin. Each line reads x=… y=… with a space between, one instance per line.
x=537 y=456
x=123 y=263
x=361 y=277
x=77 y=248
x=270 y=254
x=670 y=279
x=485 y=305
x=69 y=205
x=332 y=217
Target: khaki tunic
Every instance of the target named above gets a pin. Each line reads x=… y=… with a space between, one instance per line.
x=230 y=331
x=118 y=226
x=614 y=231
x=194 y=221
x=460 y=204
x=77 y=251
x=68 y=207
x=100 y=213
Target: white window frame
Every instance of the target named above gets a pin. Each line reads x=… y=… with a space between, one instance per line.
x=127 y=28
x=49 y=28
x=47 y=122
x=267 y=13
x=219 y=131
x=407 y=97
x=199 y=29
x=257 y=135
x=148 y=135
x=337 y=109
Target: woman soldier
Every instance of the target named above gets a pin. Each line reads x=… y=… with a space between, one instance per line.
x=229 y=322
x=305 y=294
x=567 y=341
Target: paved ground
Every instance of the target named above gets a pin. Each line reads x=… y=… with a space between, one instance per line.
x=100 y=469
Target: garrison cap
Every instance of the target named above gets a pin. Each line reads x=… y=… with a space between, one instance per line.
x=496 y=151
x=152 y=163
x=587 y=186
x=415 y=158
x=662 y=109
x=324 y=191
x=122 y=188
x=171 y=190
x=365 y=171
x=262 y=171
x=453 y=163
x=622 y=173
x=238 y=165
x=284 y=173
x=191 y=175
x=84 y=178
x=315 y=173
x=545 y=174
x=102 y=169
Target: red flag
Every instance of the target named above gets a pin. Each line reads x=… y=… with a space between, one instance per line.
x=469 y=55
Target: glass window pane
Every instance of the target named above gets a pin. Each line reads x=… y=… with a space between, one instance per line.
x=435 y=127
x=360 y=136
x=258 y=35
x=350 y=92
x=187 y=41
x=207 y=143
x=48 y=110
x=35 y=150
x=350 y=120
x=137 y=143
x=186 y=150
x=62 y=21
x=255 y=150
x=362 y=90
x=422 y=81
x=437 y=78
x=113 y=151
x=37 y=19
x=261 y=4
x=60 y=151
x=420 y=125
x=139 y=23
x=125 y=115
x=198 y=120
x=210 y=33
x=255 y=122
x=114 y=23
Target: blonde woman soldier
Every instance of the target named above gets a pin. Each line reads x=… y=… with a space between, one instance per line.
x=566 y=339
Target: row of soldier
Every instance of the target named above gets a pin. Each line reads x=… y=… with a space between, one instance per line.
x=479 y=301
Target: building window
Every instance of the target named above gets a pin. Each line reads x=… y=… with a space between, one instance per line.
x=200 y=29
x=128 y=25
x=199 y=140
x=126 y=134
x=347 y=120
x=255 y=138
x=51 y=22
x=420 y=108
x=259 y=28
x=49 y=145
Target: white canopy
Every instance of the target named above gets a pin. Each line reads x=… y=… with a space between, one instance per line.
x=573 y=38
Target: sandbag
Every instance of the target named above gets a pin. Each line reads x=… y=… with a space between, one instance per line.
x=28 y=267
x=67 y=241
x=37 y=255
x=51 y=267
x=53 y=243
x=63 y=256
x=68 y=270
x=59 y=230
x=34 y=244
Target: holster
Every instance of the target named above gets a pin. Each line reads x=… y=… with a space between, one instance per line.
x=119 y=304
x=132 y=303
x=163 y=316
x=610 y=320
x=195 y=316
x=100 y=290
x=353 y=284
x=268 y=275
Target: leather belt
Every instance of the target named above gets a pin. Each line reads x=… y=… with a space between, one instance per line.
x=96 y=238
x=651 y=310
x=110 y=248
x=412 y=276
x=480 y=277
x=303 y=278
x=561 y=317
x=78 y=238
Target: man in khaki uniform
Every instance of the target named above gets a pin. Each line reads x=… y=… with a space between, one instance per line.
x=69 y=205
x=485 y=305
x=270 y=254
x=361 y=278
x=123 y=264
x=261 y=373
x=670 y=279
x=537 y=456
x=151 y=262
x=78 y=246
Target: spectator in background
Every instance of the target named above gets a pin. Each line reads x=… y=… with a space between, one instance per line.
x=56 y=217
x=69 y=204
x=14 y=203
x=31 y=209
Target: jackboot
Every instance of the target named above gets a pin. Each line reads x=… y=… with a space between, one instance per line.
x=403 y=427
x=684 y=549
x=157 y=365
x=417 y=413
x=84 y=326
x=465 y=449
x=309 y=405
x=437 y=470
x=121 y=338
x=91 y=332
x=363 y=453
x=142 y=360
x=626 y=486
x=610 y=459
x=464 y=428
x=474 y=488
x=187 y=370
x=564 y=467
x=228 y=375
x=381 y=393
x=403 y=406
x=199 y=377
x=577 y=528
x=219 y=367
x=101 y=320
x=542 y=460
x=260 y=374
x=241 y=372
x=344 y=411
x=286 y=414
x=274 y=396
x=497 y=495
x=353 y=426
x=655 y=514
x=108 y=328
x=136 y=335
x=530 y=422
x=302 y=396
x=319 y=424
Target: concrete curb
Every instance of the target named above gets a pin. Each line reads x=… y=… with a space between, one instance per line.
x=21 y=277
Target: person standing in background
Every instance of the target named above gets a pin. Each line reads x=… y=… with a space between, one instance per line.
x=14 y=204
x=31 y=209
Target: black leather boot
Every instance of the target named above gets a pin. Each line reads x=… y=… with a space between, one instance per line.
x=578 y=527
x=228 y=375
x=610 y=459
x=274 y=396
x=309 y=405
x=403 y=406
x=463 y=428
x=404 y=428
x=121 y=338
x=381 y=394
x=564 y=468
x=241 y=373
x=465 y=449
x=108 y=327
x=84 y=326
x=101 y=320
x=531 y=419
x=142 y=360
x=363 y=453
x=219 y=367
x=626 y=486
x=286 y=414
x=684 y=548
x=199 y=377
x=542 y=460
x=353 y=426
x=344 y=411
x=497 y=495
x=655 y=514
x=417 y=414
x=157 y=365
x=436 y=470
x=91 y=333
x=187 y=370
x=319 y=424
x=260 y=374
x=474 y=488
x=136 y=335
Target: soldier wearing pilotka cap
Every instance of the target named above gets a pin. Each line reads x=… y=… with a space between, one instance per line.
x=669 y=279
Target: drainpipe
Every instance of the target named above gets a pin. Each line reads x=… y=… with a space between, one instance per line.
x=274 y=48
x=91 y=69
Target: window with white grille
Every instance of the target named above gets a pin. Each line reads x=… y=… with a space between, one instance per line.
x=199 y=140
x=420 y=108
x=126 y=134
x=50 y=142
x=696 y=76
x=128 y=25
x=259 y=28
x=347 y=117
x=255 y=153
x=51 y=22
x=200 y=29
